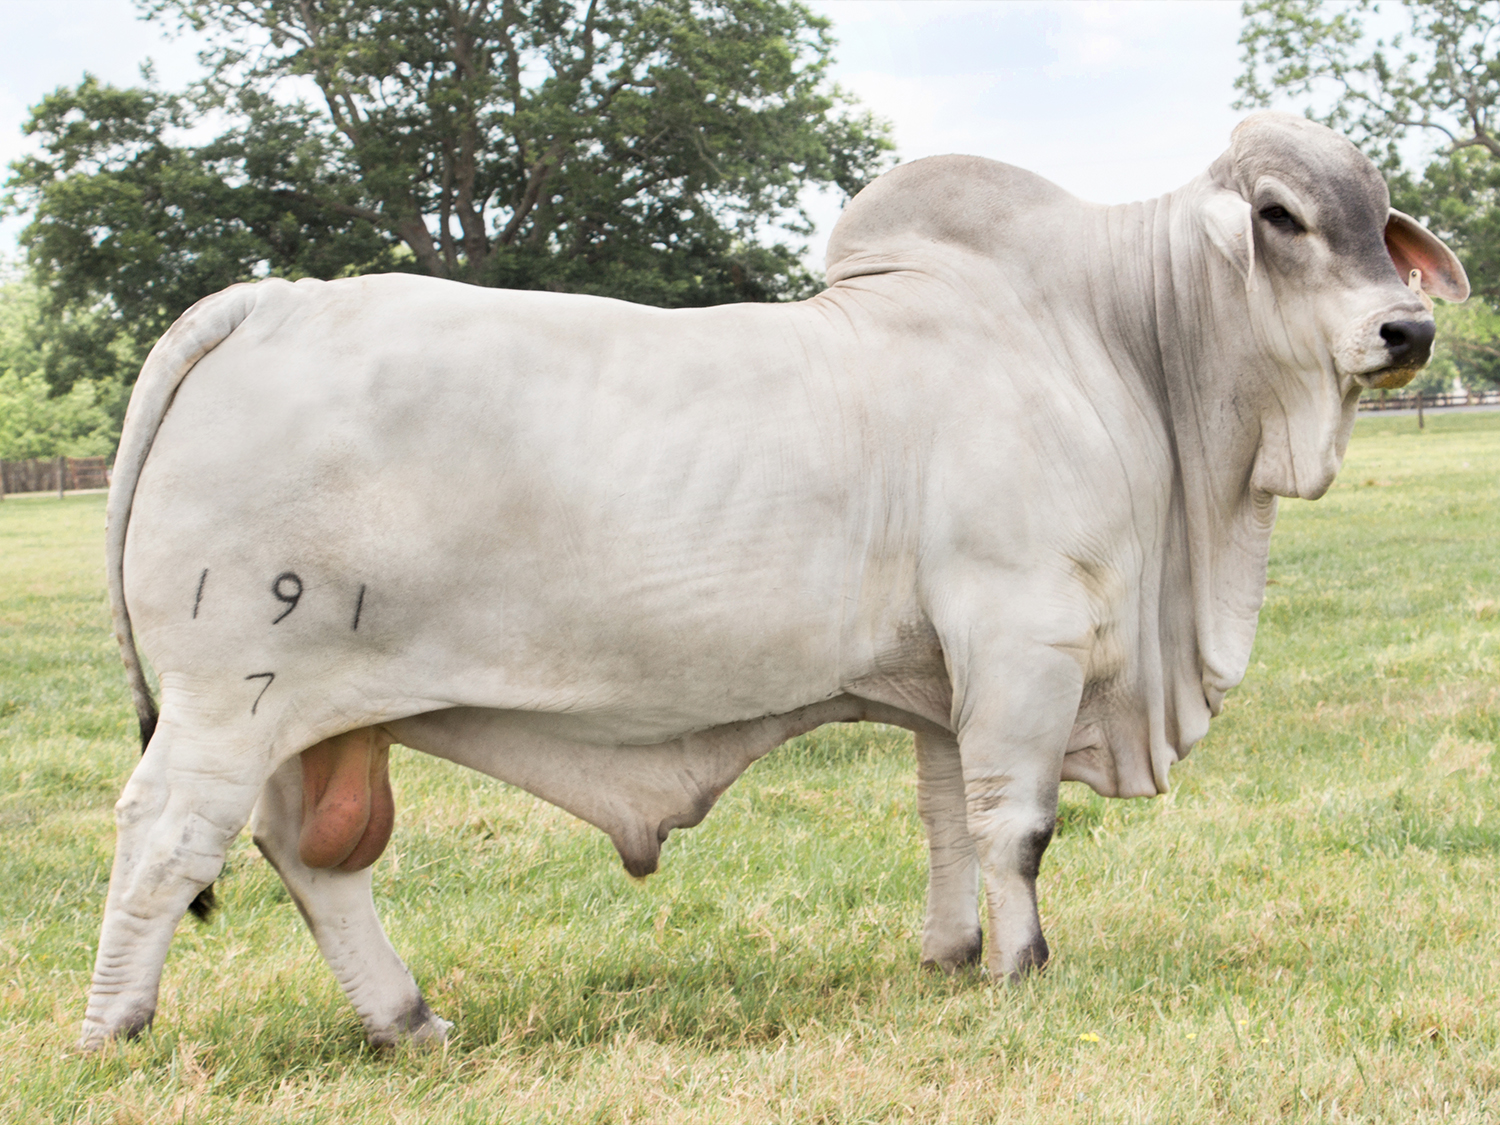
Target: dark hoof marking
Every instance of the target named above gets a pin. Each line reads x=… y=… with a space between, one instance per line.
x=418 y=1016
x=1029 y=861
x=136 y=1024
x=203 y=904
x=1032 y=959
x=418 y=1024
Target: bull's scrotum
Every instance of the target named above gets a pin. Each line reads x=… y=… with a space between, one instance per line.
x=1008 y=482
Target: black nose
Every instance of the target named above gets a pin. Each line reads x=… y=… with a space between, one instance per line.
x=1408 y=341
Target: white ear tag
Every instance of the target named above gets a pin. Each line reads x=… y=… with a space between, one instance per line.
x=1414 y=283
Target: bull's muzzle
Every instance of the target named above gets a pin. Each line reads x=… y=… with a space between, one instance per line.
x=1408 y=343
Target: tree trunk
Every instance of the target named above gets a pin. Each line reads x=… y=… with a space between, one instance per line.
x=414 y=233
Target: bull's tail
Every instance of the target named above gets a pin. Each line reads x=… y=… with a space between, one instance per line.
x=197 y=332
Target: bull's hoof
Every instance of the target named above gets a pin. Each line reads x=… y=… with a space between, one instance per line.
x=1028 y=961
x=951 y=955
x=420 y=1026
x=433 y=1033
x=95 y=1035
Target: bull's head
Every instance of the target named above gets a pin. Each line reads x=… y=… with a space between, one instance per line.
x=1338 y=286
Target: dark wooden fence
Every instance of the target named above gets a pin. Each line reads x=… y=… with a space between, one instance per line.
x=53 y=474
x=1418 y=401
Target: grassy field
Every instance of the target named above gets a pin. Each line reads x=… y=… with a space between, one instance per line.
x=1304 y=930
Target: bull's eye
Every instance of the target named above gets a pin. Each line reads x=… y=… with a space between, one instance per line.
x=1279 y=216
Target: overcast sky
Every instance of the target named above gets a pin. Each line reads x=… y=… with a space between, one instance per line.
x=1113 y=99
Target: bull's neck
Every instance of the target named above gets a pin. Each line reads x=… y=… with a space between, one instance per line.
x=1179 y=310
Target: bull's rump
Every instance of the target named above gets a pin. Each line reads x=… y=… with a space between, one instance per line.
x=509 y=500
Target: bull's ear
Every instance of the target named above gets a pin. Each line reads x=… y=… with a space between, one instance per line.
x=1413 y=247
x=1227 y=219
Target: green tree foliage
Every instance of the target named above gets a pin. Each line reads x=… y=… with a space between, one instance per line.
x=1430 y=69
x=83 y=422
x=1440 y=74
x=1468 y=347
x=644 y=149
x=128 y=230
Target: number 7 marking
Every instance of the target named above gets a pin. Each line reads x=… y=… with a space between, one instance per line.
x=269 y=677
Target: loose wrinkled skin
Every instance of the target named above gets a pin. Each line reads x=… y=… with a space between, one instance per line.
x=1008 y=482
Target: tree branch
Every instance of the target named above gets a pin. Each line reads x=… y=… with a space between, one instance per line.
x=539 y=174
x=414 y=233
x=337 y=207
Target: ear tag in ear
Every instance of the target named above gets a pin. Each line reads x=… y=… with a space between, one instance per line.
x=1414 y=283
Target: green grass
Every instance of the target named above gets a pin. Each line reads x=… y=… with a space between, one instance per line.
x=1302 y=931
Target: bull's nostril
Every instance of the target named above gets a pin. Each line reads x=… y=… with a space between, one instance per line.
x=1409 y=341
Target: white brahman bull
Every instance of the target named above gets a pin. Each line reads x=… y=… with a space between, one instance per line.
x=1008 y=482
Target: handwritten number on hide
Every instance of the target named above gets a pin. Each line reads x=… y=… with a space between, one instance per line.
x=269 y=677
x=287 y=588
x=198 y=597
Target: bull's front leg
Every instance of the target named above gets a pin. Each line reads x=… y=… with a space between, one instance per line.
x=321 y=820
x=1014 y=715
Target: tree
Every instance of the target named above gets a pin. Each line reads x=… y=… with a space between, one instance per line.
x=128 y=230
x=645 y=149
x=1439 y=76
x=84 y=422
x=1468 y=347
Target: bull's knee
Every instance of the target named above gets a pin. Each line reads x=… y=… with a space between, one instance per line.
x=139 y=805
x=347 y=807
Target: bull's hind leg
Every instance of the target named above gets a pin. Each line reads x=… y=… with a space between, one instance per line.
x=336 y=903
x=951 y=937
x=187 y=799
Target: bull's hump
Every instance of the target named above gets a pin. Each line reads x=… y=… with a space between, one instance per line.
x=963 y=203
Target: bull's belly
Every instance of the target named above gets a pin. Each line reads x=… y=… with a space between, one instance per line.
x=636 y=794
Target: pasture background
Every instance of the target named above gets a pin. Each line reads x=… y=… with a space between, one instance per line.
x=1303 y=930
